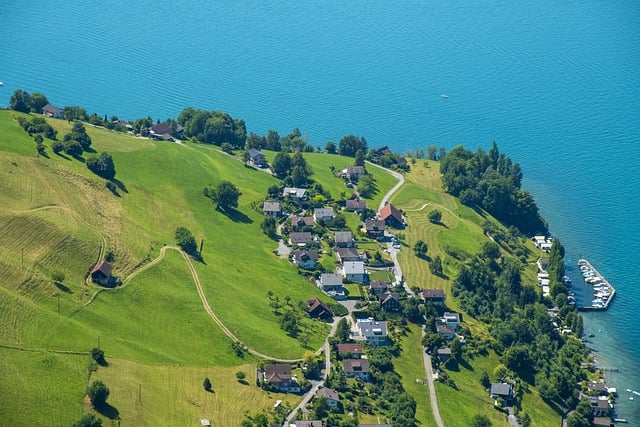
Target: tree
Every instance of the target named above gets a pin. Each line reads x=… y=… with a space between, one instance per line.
x=98 y=393
x=102 y=165
x=350 y=144
x=57 y=276
x=359 y=161
x=435 y=216
x=224 y=196
x=207 y=384
x=71 y=113
x=343 y=330
x=330 y=147
x=88 y=420
x=269 y=226
x=281 y=165
x=420 y=248
x=240 y=375
x=480 y=421
x=20 y=101
x=73 y=148
x=484 y=380
x=456 y=349
x=97 y=355
x=186 y=240
x=57 y=147
x=79 y=133
x=436 y=266
x=366 y=186
x=37 y=102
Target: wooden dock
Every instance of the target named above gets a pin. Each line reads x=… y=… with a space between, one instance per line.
x=603 y=281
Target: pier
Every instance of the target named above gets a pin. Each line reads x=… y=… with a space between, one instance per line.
x=606 y=292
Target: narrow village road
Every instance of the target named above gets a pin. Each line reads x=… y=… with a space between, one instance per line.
x=432 y=389
x=395 y=174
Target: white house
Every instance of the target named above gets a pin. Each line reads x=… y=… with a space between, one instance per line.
x=355 y=271
x=371 y=331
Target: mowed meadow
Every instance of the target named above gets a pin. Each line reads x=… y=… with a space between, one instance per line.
x=57 y=216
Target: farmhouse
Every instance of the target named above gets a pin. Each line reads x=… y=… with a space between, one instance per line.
x=374 y=228
x=331 y=396
x=52 y=111
x=391 y=216
x=390 y=301
x=256 y=157
x=435 y=296
x=162 y=131
x=101 y=273
x=279 y=375
x=272 y=209
x=300 y=238
x=357 y=205
x=356 y=368
x=317 y=308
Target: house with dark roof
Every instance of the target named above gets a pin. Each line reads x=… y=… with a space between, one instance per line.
x=344 y=239
x=391 y=216
x=162 y=131
x=101 y=273
x=353 y=173
x=443 y=354
x=323 y=214
x=356 y=205
x=52 y=111
x=378 y=287
x=446 y=331
x=371 y=331
x=307 y=423
x=502 y=390
x=301 y=221
x=356 y=368
x=270 y=208
x=256 y=157
x=305 y=259
x=390 y=301
x=349 y=350
x=435 y=296
x=331 y=396
x=279 y=374
x=300 y=238
x=317 y=308
x=330 y=282
x=374 y=228
x=347 y=254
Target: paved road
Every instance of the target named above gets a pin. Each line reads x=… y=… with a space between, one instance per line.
x=432 y=389
x=397 y=175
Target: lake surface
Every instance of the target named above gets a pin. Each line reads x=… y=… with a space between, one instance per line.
x=555 y=84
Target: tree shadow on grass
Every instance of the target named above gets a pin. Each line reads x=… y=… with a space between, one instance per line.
x=424 y=257
x=108 y=411
x=61 y=154
x=243 y=382
x=63 y=287
x=236 y=216
x=120 y=185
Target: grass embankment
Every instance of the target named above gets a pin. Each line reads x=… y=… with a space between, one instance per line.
x=65 y=219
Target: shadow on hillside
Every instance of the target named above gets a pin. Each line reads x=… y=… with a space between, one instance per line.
x=120 y=184
x=90 y=150
x=63 y=287
x=108 y=411
x=236 y=216
x=61 y=154
x=243 y=382
x=424 y=257
x=43 y=154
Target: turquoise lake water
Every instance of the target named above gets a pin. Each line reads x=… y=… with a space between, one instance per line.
x=555 y=84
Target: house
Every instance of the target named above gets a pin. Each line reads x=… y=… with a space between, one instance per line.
x=300 y=238
x=357 y=205
x=305 y=259
x=279 y=374
x=379 y=287
x=353 y=173
x=323 y=214
x=451 y=320
x=599 y=406
x=597 y=388
x=331 y=396
x=502 y=390
x=374 y=228
x=347 y=254
x=271 y=209
x=256 y=157
x=435 y=296
x=443 y=354
x=371 y=331
x=391 y=216
x=301 y=221
x=355 y=271
x=446 y=331
x=52 y=111
x=356 y=368
x=352 y=351
x=602 y=422
x=294 y=193
x=306 y=423
x=101 y=273
x=317 y=308
x=205 y=422
x=390 y=301
x=331 y=283
x=162 y=131
x=344 y=239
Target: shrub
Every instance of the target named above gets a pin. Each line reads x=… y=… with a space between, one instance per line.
x=207 y=384
x=98 y=393
x=57 y=147
x=102 y=165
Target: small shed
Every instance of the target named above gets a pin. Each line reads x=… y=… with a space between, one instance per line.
x=101 y=273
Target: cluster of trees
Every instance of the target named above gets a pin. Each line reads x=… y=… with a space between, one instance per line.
x=37 y=126
x=186 y=240
x=24 y=102
x=490 y=289
x=213 y=127
x=350 y=144
x=102 y=165
x=491 y=181
x=293 y=169
x=432 y=153
x=291 y=142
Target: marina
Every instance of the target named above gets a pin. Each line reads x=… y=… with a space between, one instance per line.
x=603 y=292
